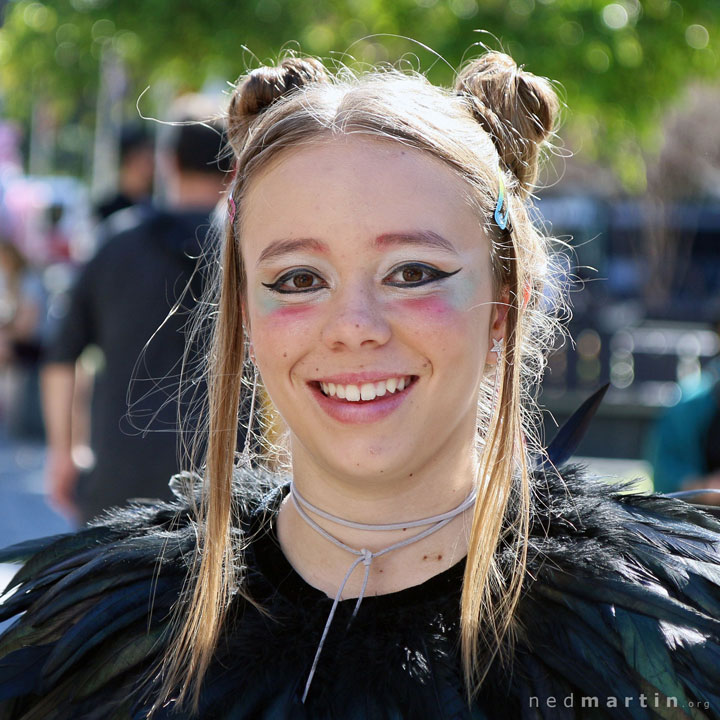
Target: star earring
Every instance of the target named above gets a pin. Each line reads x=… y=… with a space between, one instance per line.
x=497 y=348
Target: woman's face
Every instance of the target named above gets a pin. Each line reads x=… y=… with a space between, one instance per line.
x=370 y=303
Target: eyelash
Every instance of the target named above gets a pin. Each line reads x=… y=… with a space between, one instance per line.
x=436 y=275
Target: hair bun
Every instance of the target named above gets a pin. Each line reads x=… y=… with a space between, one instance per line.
x=517 y=109
x=260 y=88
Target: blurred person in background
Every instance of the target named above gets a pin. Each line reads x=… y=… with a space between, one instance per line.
x=22 y=321
x=684 y=445
x=120 y=302
x=136 y=173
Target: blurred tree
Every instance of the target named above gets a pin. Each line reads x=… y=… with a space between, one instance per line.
x=619 y=61
x=686 y=169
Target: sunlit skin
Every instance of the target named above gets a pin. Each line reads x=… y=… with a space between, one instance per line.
x=366 y=306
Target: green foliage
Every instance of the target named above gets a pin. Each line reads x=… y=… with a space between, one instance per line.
x=618 y=62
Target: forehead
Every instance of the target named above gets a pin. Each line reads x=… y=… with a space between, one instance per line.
x=354 y=186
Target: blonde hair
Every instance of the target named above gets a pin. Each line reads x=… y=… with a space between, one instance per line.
x=495 y=119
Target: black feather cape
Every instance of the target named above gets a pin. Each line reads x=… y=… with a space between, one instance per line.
x=621 y=618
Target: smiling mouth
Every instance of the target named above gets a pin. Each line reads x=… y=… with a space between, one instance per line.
x=366 y=392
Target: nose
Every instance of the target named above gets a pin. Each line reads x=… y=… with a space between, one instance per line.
x=355 y=320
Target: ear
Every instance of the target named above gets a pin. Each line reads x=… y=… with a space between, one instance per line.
x=498 y=320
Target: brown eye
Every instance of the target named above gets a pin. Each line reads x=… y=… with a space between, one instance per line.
x=302 y=280
x=412 y=274
x=295 y=282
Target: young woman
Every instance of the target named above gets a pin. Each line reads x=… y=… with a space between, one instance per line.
x=419 y=555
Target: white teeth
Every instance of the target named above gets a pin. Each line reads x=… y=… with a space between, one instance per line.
x=366 y=391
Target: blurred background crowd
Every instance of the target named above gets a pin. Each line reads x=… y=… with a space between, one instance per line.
x=631 y=191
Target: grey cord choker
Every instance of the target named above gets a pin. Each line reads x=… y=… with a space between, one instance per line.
x=365 y=556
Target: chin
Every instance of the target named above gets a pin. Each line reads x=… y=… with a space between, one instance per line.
x=373 y=463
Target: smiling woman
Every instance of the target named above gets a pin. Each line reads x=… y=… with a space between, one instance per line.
x=420 y=555
x=385 y=267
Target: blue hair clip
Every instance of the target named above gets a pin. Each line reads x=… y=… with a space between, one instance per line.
x=501 y=219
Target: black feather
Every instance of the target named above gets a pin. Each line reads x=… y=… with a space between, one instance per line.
x=621 y=598
x=568 y=437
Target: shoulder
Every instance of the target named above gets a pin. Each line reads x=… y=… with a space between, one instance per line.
x=126 y=233
x=623 y=598
x=127 y=222
x=150 y=229
x=615 y=524
x=92 y=609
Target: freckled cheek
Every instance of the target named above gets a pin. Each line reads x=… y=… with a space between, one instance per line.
x=282 y=334
x=447 y=332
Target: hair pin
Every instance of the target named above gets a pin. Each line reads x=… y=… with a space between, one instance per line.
x=231 y=208
x=501 y=219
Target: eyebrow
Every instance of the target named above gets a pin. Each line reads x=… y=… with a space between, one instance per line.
x=425 y=238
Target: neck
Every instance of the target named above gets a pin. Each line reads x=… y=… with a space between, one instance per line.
x=365 y=556
x=134 y=186
x=441 y=485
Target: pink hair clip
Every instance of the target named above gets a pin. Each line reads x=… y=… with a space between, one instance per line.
x=231 y=208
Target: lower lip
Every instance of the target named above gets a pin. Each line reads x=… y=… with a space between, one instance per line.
x=363 y=411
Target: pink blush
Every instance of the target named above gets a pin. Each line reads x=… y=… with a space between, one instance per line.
x=429 y=306
x=289 y=313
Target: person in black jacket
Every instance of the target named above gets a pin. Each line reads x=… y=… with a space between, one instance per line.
x=120 y=302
